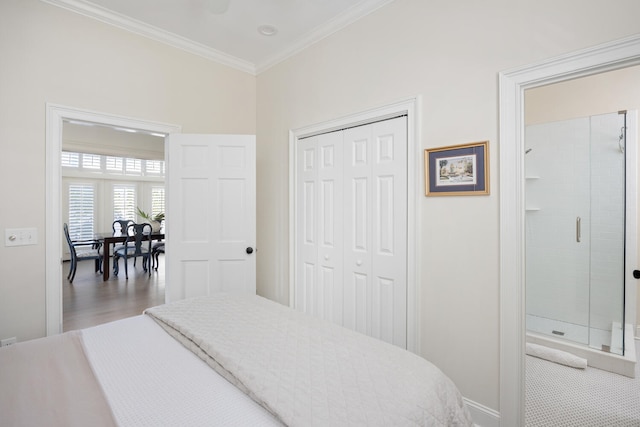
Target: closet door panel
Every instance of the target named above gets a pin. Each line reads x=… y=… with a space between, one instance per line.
x=358 y=226
x=389 y=231
x=306 y=221
x=330 y=227
x=356 y=312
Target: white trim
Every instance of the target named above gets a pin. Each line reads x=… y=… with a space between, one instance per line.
x=56 y=114
x=481 y=415
x=127 y=23
x=143 y=29
x=414 y=156
x=606 y=57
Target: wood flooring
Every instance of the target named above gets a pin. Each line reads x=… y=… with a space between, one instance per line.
x=90 y=301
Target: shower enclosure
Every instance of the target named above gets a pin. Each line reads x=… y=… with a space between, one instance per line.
x=575 y=230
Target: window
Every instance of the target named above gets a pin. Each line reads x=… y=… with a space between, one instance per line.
x=157 y=200
x=91 y=161
x=112 y=165
x=81 y=211
x=133 y=166
x=124 y=202
x=155 y=167
x=70 y=160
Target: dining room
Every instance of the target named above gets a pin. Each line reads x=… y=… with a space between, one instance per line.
x=110 y=177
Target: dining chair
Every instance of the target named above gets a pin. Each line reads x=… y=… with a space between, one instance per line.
x=81 y=250
x=119 y=227
x=158 y=248
x=137 y=244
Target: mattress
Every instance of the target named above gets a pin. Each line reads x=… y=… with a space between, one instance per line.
x=149 y=379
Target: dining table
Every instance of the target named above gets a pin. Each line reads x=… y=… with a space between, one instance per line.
x=110 y=238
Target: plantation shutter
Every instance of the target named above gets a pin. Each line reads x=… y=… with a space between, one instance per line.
x=81 y=211
x=157 y=200
x=124 y=202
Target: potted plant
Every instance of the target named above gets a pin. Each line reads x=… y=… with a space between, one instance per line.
x=154 y=220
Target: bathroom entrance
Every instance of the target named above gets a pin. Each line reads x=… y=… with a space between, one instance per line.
x=576 y=213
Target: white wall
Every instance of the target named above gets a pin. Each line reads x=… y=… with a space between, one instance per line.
x=449 y=54
x=52 y=55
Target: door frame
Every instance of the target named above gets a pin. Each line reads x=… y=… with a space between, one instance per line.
x=55 y=116
x=410 y=108
x=512 y=84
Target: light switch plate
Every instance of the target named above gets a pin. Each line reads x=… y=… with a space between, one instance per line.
x=20 y=236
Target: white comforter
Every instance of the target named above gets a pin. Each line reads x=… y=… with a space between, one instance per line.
x=309 y=372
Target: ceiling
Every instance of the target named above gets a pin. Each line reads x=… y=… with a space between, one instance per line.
x=227 y=30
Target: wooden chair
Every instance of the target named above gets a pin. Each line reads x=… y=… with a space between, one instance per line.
x=82 y=250
x=119 y=227
x=158 y=248
x=137 y=244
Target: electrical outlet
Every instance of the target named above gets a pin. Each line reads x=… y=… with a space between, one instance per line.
x=8 y=341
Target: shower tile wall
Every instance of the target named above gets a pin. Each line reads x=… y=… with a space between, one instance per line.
x=569 y=282
x=557 y=268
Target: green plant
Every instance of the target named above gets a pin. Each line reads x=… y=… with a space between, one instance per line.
x=157 y=217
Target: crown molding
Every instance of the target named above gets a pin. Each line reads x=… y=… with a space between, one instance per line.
x=138 y=27
x=341 y=21
x=127 y=23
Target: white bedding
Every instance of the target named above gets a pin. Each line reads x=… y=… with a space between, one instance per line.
x=150 y=379
x=311 y=372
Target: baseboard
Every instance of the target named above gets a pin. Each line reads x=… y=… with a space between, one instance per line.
x=482 y=416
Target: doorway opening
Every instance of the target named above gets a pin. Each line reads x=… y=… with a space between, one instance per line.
x=55 y=118
x=580 y=218
x=611 y=56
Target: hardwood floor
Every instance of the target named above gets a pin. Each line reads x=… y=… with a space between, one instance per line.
x=90 y=301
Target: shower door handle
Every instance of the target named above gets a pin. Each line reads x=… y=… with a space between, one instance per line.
x=578 y=225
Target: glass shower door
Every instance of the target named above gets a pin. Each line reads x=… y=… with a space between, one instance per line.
x=575 y=230
x=607 y=164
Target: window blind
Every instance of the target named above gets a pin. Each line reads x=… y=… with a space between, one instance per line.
x=124 y=202
x=81 y=211
x=157 y=200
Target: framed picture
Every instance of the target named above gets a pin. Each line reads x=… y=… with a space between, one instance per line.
x=458 y=170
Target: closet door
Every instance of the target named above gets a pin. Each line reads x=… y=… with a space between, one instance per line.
x=319 y=234
x=375 y=221
x=351 y=228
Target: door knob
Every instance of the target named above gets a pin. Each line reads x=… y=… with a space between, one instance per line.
x=249 y=250
x=636 y=274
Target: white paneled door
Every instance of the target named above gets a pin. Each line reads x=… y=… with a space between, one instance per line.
x=320 y=232
x=211 y=215
x=351 y=228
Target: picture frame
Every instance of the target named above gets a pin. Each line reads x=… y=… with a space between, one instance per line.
x=457 y=170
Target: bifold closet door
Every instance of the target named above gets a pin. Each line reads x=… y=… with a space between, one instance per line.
x=351 y=228
x=319 y=232
x=375 y=223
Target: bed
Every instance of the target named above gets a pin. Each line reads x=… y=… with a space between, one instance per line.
x=224 y=360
